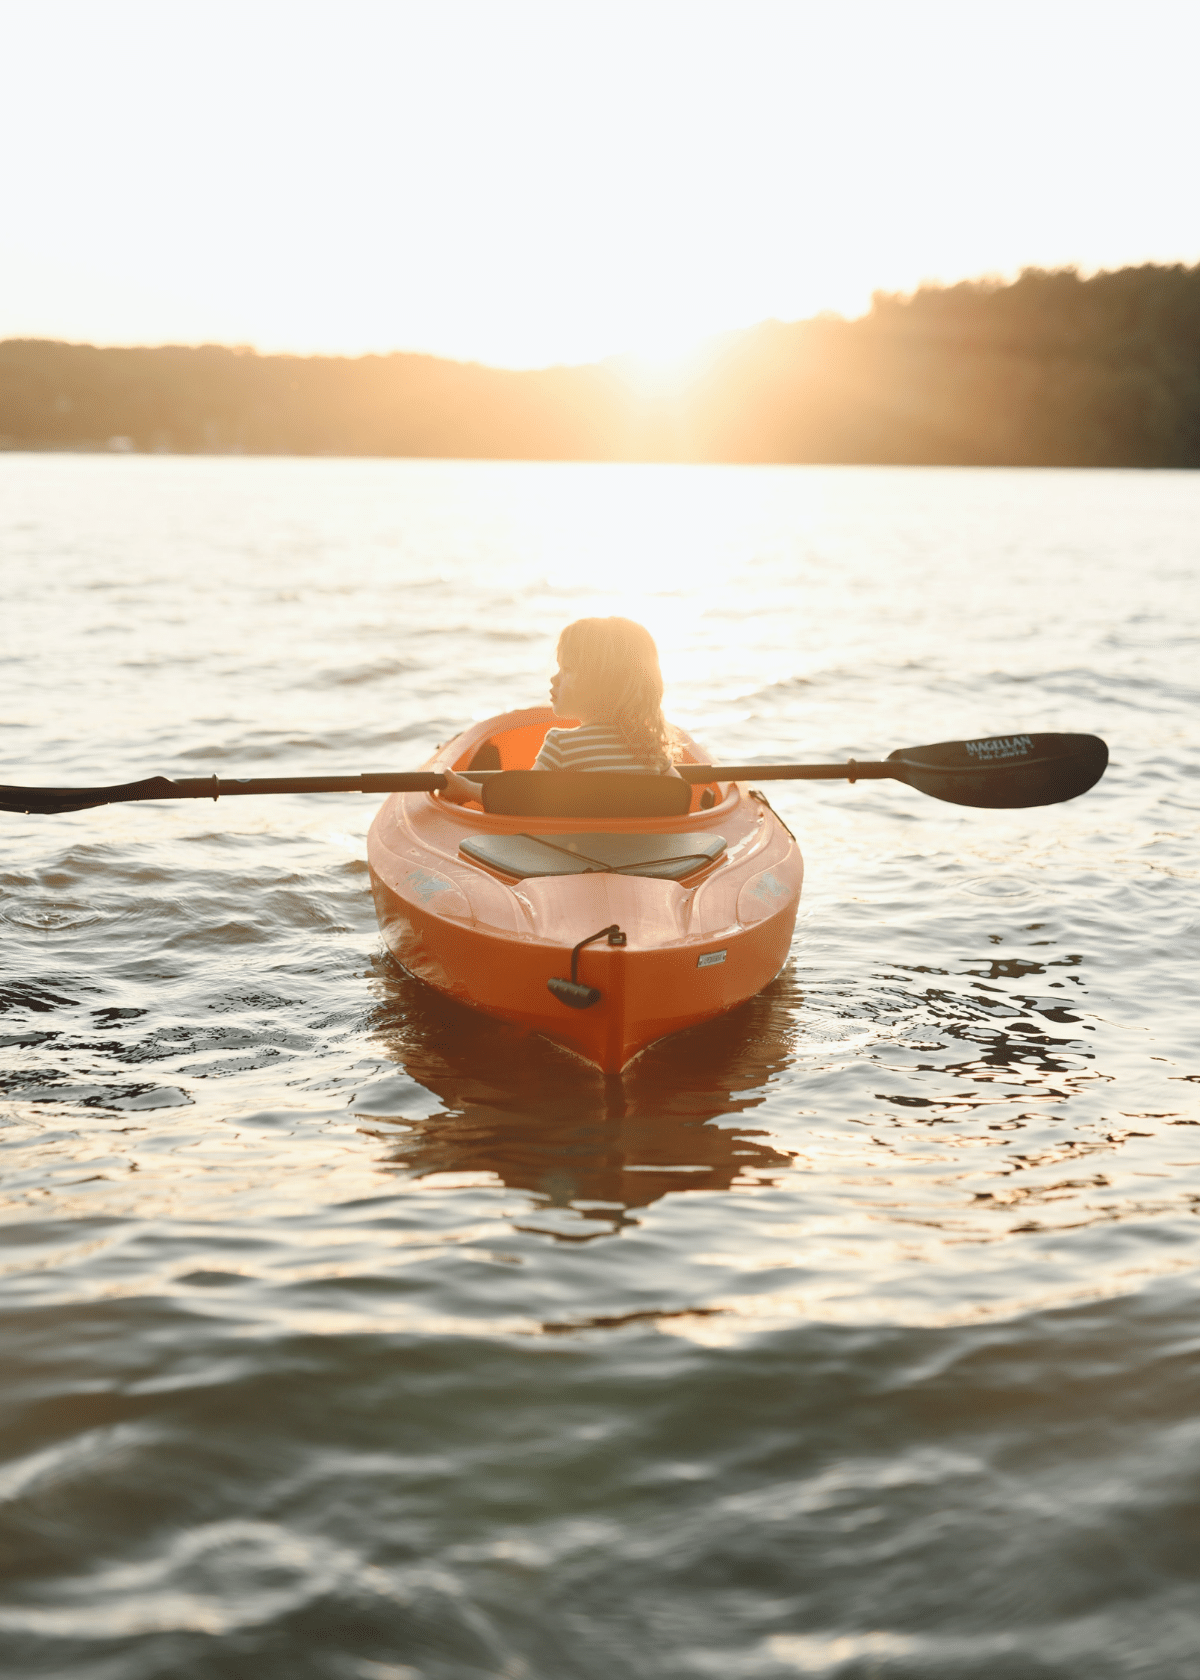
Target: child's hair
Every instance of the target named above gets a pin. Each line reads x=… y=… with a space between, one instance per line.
x=617 y=663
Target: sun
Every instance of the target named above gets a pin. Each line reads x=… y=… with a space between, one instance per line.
x=665 y=364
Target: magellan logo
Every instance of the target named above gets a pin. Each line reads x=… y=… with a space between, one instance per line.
x=1001 y=746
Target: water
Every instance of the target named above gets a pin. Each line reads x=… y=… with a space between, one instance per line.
x=350 y=1336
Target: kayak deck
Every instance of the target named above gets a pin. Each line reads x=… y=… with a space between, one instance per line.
x=489 y=911
x=663 y=857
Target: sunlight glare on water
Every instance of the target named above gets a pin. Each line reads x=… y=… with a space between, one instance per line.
x=349 y=1334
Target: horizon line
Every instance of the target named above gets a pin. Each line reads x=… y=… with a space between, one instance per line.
x=627 y=356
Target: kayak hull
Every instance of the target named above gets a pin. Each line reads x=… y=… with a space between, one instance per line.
x=694 y=948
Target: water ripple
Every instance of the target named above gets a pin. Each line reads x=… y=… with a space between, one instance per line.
x=350 y=1335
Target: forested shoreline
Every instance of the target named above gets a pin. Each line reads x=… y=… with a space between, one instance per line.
x=1050 y=370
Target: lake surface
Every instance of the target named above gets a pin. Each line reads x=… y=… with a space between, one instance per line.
x=347 y=1335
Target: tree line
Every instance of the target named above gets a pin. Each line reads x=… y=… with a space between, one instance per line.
x=1052 y=369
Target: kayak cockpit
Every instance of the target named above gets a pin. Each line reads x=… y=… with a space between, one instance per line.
x=502 y=758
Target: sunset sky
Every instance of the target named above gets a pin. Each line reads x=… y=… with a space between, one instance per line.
x=522 y=183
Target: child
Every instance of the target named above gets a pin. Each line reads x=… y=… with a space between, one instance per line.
x=608 y=677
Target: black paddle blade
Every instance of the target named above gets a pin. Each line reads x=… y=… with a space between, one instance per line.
x=1004 y=772
x=53 y=802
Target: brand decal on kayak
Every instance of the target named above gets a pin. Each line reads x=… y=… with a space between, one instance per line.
x=1001 y=746
x=710 y=958
x=426 y=886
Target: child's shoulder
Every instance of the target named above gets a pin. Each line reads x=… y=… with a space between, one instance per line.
x=580 y=731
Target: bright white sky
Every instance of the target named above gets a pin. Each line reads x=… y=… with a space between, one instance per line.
x=531 y=181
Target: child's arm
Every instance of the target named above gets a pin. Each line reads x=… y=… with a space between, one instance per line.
x=458 y=790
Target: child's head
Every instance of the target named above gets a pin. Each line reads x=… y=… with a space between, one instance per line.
x=609 y=673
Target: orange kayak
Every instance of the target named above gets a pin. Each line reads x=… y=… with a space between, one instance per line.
x=603 y=933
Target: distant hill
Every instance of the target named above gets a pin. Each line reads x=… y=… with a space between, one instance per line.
x=1051 y=370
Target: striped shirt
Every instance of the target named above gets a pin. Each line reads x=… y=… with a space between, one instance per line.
x=593 y=746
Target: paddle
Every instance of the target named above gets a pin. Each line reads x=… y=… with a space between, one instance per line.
x=1002 y=772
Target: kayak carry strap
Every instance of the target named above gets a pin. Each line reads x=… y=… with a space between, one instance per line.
x=614 y=936
x=570 y=991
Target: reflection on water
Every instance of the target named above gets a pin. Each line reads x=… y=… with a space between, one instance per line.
x=537 y=1119
x=349 y=1336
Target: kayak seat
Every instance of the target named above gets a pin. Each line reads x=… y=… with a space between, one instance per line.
x=585 y=793
x=662 y=857
x=487 y=757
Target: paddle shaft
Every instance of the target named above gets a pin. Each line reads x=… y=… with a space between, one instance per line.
x=427 y=781
x=50 y=801
x=1000 y=772
x=215 y=787
x=852 y=771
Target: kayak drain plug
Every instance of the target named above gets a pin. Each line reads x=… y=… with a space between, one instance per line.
x=570 y=992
